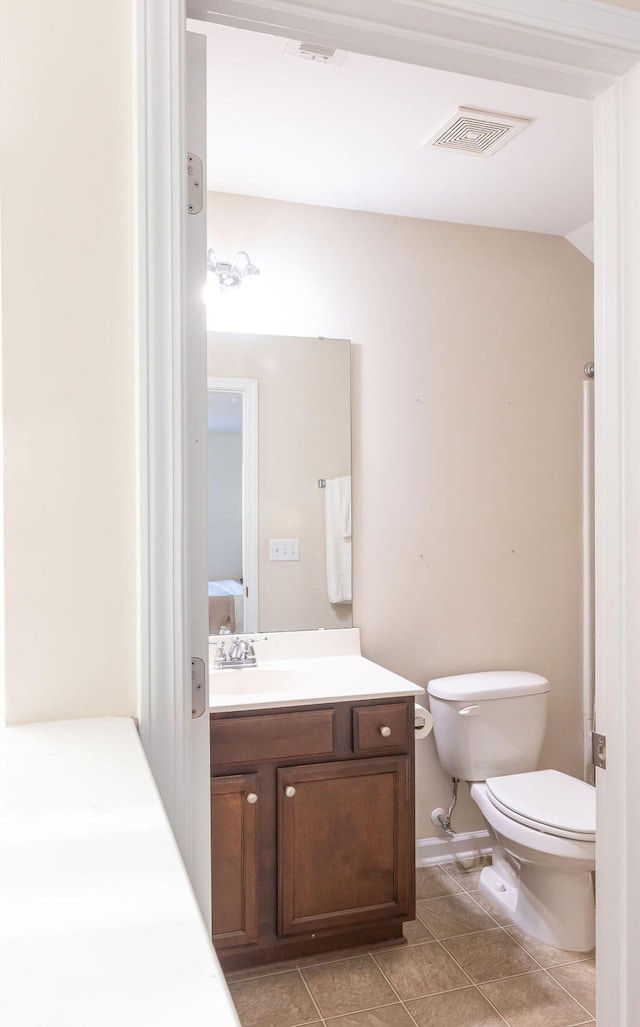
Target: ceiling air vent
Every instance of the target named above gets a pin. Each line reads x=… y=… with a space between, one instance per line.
x=315 y=52
x=478 y=132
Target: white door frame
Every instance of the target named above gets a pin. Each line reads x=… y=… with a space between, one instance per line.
x=249 y=389
x=592 y=46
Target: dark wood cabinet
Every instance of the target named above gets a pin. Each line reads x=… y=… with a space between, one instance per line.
x=312 y=823
x=342 y=843
x=234 y=860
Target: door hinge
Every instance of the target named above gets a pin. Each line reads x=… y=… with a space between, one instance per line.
x=194 y=183
x=198 y=686
x=599 y=750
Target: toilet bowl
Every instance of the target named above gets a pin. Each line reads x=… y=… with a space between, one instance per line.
x=541 y=873
x=489 y=729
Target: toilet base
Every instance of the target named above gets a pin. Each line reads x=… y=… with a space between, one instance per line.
x=555 y=907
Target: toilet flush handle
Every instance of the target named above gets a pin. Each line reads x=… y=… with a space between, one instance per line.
x=469 y=711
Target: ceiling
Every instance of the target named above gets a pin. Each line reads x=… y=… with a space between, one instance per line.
x=351 y=135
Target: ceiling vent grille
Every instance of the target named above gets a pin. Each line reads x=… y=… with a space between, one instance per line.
x=480 y=133
x=315 y=52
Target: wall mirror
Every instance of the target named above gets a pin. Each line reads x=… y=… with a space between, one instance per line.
x=279 y=483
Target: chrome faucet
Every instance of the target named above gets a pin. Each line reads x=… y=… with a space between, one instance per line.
x=239 y=650
x=240 y=653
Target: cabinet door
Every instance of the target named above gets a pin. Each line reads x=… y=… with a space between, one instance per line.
x=344 y=843
x=234 y=860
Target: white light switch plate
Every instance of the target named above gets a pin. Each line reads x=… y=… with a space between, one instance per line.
x=284 y=549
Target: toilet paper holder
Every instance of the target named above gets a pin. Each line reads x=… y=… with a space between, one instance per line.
x=422 y=721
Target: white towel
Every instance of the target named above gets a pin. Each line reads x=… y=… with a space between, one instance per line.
x=337 y=499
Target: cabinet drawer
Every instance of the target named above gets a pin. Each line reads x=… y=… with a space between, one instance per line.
x=377 y=728
x=272 y=736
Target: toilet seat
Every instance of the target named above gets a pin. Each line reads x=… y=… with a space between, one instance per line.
x=547 y=801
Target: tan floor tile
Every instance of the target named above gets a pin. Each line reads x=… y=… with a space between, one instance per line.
x=489 y=956
x=545 y=954
x=416 y=933
x=465 y=1008
x=387 y=1016
x=260 y=971
x=580 y=981
x=348 y=986
x=453 y=914
x=533 y=1000
x=467 y=872
x=280 y=1000
x=333 y=956
x=421 y=970
x=433 y=881
x=492 y=909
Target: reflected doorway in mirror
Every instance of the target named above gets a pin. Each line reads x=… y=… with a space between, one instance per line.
x=232 y=454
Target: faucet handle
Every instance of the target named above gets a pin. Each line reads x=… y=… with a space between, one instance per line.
x=250 y=641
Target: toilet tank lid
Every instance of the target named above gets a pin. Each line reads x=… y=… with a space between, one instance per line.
x=488 y=684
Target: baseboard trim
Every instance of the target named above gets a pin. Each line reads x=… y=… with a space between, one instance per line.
x=446 y=850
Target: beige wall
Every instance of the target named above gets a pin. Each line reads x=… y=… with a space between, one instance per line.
x=68 y=358
x=469 y=345
x=303 y=434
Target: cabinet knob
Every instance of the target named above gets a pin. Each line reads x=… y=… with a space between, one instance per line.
x=289 y=791
x=252 y=798
x=385 y=731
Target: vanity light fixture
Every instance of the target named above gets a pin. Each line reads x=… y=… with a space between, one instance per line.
x=230 y=275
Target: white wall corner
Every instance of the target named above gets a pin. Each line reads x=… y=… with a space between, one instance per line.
x=466 y=845
x=583 y=239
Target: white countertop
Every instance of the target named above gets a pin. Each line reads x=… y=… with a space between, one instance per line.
x=324 y=667
x=98 y=922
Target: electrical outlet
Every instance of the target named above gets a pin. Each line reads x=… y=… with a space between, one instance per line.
x=284 y=549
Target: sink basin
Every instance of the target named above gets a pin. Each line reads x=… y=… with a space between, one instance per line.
x=301 y=682
x=258 y=680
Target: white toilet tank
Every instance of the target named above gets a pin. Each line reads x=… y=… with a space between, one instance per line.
x=489 y=724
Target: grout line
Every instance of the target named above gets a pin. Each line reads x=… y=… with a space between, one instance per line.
x=551 y=978
x=471 y=895
x=259 y=976
x=369 y=1009
x=451 y=956
x=569 y=962
x=317 y=1007
x=394 y=990
x=359 y=955
x=464 y=934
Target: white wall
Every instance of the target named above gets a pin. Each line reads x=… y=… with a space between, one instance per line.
x=66 y=188
x=469 y=346
x=632 y=5
x=225 y=505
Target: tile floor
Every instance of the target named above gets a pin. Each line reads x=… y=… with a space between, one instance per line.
x=465 y=965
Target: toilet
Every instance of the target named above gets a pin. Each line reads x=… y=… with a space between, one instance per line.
x=489 y=728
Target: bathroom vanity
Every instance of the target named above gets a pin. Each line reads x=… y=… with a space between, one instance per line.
x=312 y=806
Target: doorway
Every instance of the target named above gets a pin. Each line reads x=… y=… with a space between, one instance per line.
x=232 y=423
x=466 y=545
x=600 y=70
